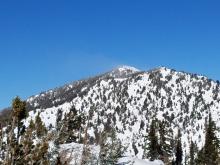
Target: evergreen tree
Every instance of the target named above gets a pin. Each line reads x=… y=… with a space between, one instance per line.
x=27 y=144
x=165 y=141
x=40 y=153
x=18 y=114
x=70 y=130
x=153 y=146
x=75 y=122
x=192 y=153
x=211 y=146
x=179 y=151
x=200 y=160
x=63 y=131
x=103 y=148
x=39 y=126
x=110 y=148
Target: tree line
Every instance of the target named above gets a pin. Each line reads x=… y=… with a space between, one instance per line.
x=162 y=145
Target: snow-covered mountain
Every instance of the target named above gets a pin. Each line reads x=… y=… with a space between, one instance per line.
x=127 y=99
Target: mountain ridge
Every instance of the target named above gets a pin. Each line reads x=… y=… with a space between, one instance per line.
x=159 y=68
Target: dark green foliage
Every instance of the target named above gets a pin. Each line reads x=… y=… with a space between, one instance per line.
x=63 y=131
x=209 y=154
x=40 y=127
x=153 y=146
x=19 y=109
x=27 y=144
x=165 y=146
x=71 y=128
x=134 y=148
x=31 y=125
x=192 y=153
x=179 y=151
x=59 y=119
x=211 y=143
x=200 y=157
x=19 y=113
x=159 y=142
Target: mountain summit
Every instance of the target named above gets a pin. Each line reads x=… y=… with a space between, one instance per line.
x=122 y=71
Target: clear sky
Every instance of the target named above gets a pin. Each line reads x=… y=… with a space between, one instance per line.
x=47 y=43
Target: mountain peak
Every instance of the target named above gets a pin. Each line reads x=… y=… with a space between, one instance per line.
x=123 y=71
x=128 y=68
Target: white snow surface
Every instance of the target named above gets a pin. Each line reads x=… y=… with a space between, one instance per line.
x=136 y=161
x=74 y=152
x=125 y=67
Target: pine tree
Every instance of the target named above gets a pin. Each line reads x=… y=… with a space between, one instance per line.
x=165 y=141
x=153 y=145
x=27 y=144
x=209 y=154
x=103 y=148
x=18 y=114
x=192 y=153
x=40 y=153
x=110 y=148
x=63 y=131
x=211 y=146
x=75 y=122
x=179 y=151
x=200 y=160
x=72 y=125
x=39 y=126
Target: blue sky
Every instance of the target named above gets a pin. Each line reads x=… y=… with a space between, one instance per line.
x=47 y=43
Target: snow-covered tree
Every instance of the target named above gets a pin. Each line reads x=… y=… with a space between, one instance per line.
x=110 y=148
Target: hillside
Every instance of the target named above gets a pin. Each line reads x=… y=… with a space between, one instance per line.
x=127 y=100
